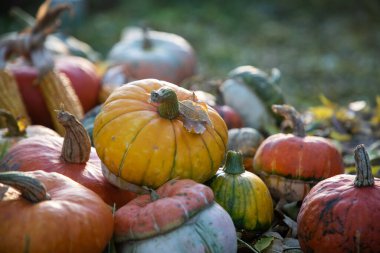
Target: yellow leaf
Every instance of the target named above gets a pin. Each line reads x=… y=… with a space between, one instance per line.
x=376 y=117
x=326 y=102
x=339 y=136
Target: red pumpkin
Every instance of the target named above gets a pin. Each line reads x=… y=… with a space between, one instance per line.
x=71 y=156
x=340 y=214
x=180 y=217
x=230 y=116
x=80 y=71
x=142 y=54
x=52 y=214
x=290 y=164
x=14 y=132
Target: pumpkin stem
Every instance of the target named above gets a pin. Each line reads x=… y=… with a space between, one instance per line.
x=275 y=76
x=153 y=194
x=12 y=124
x=168 y=107
x=291 y=114
x=31 y=188
x=234 y=163
x=77 y=144
x=364 y=175
x=147 y=42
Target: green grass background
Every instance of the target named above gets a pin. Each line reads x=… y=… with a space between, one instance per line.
x=321 y=47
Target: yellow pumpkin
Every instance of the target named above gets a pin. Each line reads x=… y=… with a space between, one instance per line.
x=150 y=131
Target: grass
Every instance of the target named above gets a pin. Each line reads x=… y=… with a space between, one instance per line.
x=321 y=47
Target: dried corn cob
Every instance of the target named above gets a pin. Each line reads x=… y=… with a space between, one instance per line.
x=10 y=98
x=56 y=89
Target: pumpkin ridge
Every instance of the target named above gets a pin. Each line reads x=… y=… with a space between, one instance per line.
x=172 y=169
x=221 y=137
x=198 y=229
x=188 y=150
x=133 y=139
x=215 y=139
x=131 y=100
x=218 y=141
x=142 y=87
x=247 y=190
x=209 y=155
x=95 y=133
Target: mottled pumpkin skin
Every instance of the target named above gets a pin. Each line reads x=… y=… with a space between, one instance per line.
x=75 y=220
x=139 y=146
x=246 y=198
x=45 y=154
x=184 y=219
x=338 y=217
x=291 y=165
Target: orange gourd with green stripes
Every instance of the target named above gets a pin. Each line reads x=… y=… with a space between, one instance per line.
x=243 y=195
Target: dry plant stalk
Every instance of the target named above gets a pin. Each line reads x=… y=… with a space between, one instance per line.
x=57 y=90
x=11 y=99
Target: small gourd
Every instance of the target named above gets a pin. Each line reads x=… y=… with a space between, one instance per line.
x=251 y=92
x=245 y=140
x=291 y=164
x=243 y=195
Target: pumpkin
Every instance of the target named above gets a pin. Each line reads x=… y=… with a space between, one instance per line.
x=52 y=214
x=71 y=156
x=340 y=213
x=290 y=164
x=251 y=92
x=243 y=195
x=150 y=131
x=15 y=132
x=245 y=140
x=81 y=73
x=89 y=119
x=230 y=116
x=181 y=216
x=144 y=53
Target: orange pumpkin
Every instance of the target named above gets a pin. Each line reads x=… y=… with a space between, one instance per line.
x=143 y=139
x=290 y=164
x=16 y=131
x=71 y=156
x=340 y=214
x=52 y=214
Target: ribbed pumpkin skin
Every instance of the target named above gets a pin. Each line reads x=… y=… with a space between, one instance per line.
x=139 y=146
x=335 y=212
x=287 y=162
x=45 y=154
x=74 y=220
x=246 y=198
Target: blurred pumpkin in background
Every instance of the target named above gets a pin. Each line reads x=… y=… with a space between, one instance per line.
x=142 y=53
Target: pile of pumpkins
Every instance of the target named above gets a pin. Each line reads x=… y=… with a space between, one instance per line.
x=153 y=166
